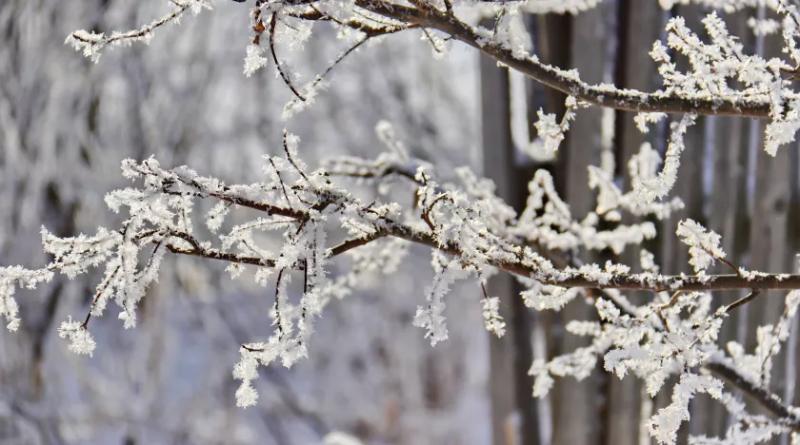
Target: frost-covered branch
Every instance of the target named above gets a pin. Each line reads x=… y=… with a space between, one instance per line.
x=568 y=81
x=768 y=400
x=763 y=88
x=472 y=232
x=91 y=44
x=721 y=79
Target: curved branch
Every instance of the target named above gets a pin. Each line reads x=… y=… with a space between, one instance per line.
x=768 y=400
x=558 y=277
x=273 y=22
x=566 y=81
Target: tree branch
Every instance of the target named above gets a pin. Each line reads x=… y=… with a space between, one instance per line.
x=565 y=81
x=767 y=399
x=567 y=277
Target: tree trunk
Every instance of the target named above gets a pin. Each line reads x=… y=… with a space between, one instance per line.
x=639 y=24
x=513 y=408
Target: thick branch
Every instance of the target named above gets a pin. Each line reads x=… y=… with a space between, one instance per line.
x=557 y=277
x=646 y=282
x=567 y=82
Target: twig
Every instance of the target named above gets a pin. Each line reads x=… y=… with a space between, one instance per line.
x=273 y=21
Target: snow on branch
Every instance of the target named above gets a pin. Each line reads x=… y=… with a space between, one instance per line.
x=91 y=44
x=703 y=244
x=648 y=187
x=11 y=278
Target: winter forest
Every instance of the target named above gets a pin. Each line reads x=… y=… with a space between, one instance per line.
x=357 y=222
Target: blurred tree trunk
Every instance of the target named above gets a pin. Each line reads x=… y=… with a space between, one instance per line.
x=577 y=406
x=639 y=24
x=768 y=232
x=689 y=185
x=690 y=189
x=789 y=393
x=513 y=409
x=552 y=43
x=769 y=248
x=635 y=69
x=728 y=211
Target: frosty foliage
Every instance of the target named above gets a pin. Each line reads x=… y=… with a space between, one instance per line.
x=547 y=220
x=254 y=60
x=80 y=340
x=92 y=44
x=642 y=169
x=11 y=278
x=703 y=244
x=718 y=64
x=431 y=316
x=492 y=319
x=550 y=132
x=295 y=221
x=648 y=186
x=664 y=425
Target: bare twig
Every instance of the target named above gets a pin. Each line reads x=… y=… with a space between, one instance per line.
x=273 y=22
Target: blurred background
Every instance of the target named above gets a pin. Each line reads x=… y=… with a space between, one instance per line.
x=65 y=125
